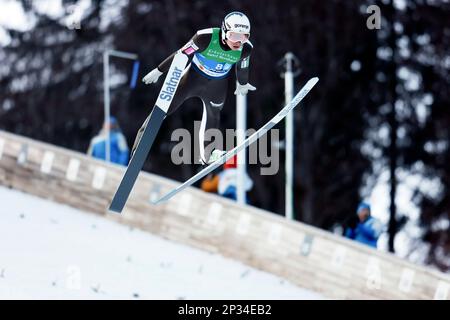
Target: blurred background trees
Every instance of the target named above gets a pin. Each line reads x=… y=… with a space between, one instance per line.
x=379 y=112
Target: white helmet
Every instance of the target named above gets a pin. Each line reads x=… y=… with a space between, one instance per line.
x=235 y=23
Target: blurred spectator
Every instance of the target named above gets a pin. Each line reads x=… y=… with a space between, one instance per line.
x=365 y=228
x=119 y=152
x=211 y=183
x=228 y=180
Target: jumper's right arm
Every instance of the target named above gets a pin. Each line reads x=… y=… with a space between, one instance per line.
x=242 y=71
x=198 y=43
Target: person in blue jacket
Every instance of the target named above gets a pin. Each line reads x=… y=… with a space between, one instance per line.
x=119 y=151
x=227 y=186
x=367 y=229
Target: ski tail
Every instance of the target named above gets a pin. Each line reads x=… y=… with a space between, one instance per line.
x=254 y=137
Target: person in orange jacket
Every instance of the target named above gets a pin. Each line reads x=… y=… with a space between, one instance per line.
x=211 y=183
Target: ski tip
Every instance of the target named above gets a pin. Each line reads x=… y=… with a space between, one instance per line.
x=314 y=80
x=311 y=83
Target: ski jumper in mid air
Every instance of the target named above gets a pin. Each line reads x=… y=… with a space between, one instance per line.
x=211 y=55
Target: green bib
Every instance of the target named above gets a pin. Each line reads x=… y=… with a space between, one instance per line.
x=214 y=61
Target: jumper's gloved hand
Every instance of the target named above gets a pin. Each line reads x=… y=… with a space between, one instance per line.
x=152 y=76
x=243 y=88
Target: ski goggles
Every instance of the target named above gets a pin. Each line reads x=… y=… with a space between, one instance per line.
x=237 y=37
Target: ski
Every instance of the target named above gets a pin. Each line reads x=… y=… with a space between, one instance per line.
x=156 y=118
x=254 y=137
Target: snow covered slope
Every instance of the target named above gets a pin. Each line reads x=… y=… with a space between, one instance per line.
x=52 y=251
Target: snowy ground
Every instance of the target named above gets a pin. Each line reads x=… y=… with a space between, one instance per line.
x=52 y=251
